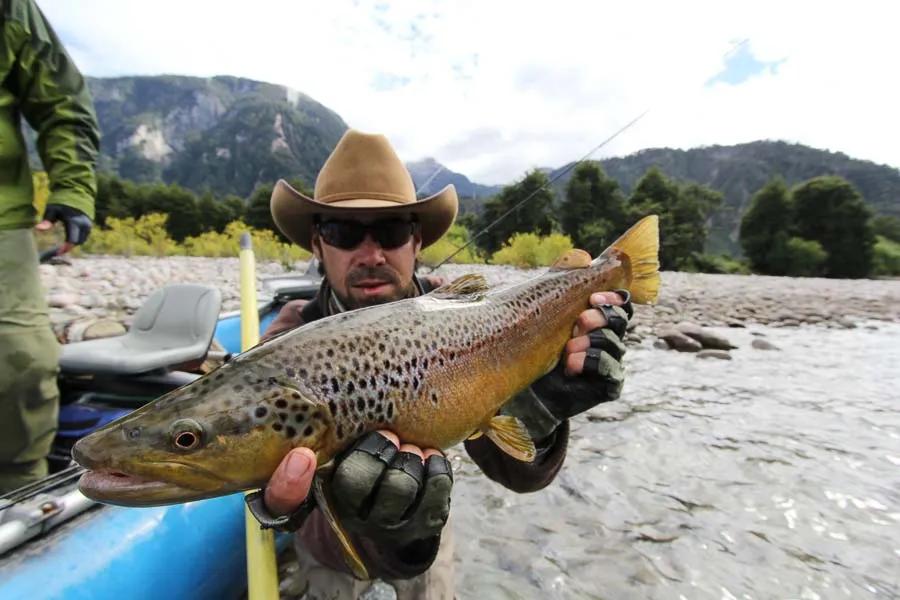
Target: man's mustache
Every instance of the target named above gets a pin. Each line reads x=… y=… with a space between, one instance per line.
x=381 y=273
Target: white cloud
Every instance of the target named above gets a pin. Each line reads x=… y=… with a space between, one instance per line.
x=494 y=88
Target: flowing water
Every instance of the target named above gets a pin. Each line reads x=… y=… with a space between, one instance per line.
x=773 y=475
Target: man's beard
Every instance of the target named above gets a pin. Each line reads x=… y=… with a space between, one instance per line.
x=382 y=273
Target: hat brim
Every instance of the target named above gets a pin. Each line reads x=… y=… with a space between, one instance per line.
x=294 y=212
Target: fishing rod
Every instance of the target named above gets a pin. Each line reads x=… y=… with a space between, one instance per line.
x=546 y=185
x=564 y=171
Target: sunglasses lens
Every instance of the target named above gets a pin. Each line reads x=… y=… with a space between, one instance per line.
x=347 y=235
x=392 y=234
x=342 y=234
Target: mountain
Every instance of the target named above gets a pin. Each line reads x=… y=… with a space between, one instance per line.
x=226 y=134
x=740 y=171
x=430 y=177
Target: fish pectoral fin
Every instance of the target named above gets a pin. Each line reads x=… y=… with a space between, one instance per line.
x=573 y=259
x=467 y=287
x=351 y=556
x=510 y=435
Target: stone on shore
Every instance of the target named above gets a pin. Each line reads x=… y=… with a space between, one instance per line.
x=678 y=341
x=761 y=344
x=713 y=353
x=707 y=338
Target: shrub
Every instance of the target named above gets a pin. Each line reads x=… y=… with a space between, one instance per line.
x=146 y=236
x=530 y=250
x=886 y=261
x=721 y=263
x=455 y=238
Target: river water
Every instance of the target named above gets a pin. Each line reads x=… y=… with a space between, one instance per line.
x=773 y=475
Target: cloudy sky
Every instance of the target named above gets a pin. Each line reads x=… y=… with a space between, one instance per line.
x=492 y=89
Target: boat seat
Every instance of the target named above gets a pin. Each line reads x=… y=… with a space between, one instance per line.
x=174 y=326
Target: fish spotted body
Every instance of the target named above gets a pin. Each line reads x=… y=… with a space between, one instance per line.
x=434 y=369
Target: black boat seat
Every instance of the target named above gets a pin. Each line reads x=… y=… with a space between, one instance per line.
x=174 y=326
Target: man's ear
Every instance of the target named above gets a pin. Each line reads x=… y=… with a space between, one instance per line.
x=417 y=241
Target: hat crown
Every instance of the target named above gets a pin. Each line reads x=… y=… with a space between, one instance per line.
x=364 y=167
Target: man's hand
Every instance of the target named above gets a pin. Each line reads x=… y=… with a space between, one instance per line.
x=392 y=492
x=384 y=490
x=588 y=373
x=78 y=225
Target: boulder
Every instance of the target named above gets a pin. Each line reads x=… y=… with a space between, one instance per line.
x=761 y=344
x=707 y=338
x=720 y=354
x=678 y=341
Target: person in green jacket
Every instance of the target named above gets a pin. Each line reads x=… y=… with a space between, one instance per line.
x=39 y=81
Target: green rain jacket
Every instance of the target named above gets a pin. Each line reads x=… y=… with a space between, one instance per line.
x=39 y=81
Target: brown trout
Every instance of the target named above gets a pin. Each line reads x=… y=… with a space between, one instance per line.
x=434 y=369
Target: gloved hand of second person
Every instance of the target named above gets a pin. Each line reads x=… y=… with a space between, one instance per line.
x=588 y=373
x=390 y=492
x=78 y=225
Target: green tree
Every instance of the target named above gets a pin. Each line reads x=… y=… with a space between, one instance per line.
x=593 y=212
x=797 y=257
x=534 y=216
x=769 y=217
x=830 y=211
x=173 y=200
x=683 y=210
x=887 y=226
x=258 y=213
x=215 y=214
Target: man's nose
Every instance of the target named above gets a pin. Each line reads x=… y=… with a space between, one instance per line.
x=370 y=252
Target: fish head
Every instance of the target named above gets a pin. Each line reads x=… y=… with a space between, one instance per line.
x=223 y=433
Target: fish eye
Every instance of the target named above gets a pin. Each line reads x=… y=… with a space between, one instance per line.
x=186 y=434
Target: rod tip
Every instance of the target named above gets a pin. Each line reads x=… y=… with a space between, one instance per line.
x=246 y=241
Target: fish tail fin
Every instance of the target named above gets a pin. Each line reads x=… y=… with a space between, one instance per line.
x=640 y=245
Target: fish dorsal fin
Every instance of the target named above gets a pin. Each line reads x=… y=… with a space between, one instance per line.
x=465 y=287
x=351 y=556
x=510 y=435
x=573 y=259
x=640 y=245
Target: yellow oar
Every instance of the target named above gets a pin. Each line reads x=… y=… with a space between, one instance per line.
x=262 y=568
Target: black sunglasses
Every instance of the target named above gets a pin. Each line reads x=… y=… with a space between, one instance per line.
x=347 y=235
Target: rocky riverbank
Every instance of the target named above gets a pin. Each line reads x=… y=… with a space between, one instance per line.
x=80 y=290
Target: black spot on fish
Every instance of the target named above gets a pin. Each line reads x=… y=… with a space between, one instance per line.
x=291 y=432
x=381 y=347
x=350 y=387
x=309 y=431
x=334 y=385
x=277 y=426
x=360 y=405
x=360 y=428
x=332 y=408
x=415 y=383
x=303 y=373
x=403 y=352
x=373 y=382
x=282 y=416
x=434 y=397
x=290 y=372
x=257 y=389
x=238 y=387
x=273 y=381
x=415 y=361
x=219 y=376
x=390 y=410
x=330 y=352
x=371 y=402
x=363 y=384
x=261 y=412
x=281 y=403
x=204 y=382
x=300 y=418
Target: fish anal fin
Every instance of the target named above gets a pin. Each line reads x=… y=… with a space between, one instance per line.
x=573 y=259
x=510 y=435
x=351 y=556
x=640 y=249
x=465 y=286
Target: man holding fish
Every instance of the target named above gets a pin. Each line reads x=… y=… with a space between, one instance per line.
x=366 y=228
x=341 y=414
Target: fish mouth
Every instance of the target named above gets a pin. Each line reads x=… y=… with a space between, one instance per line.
x=112 y=486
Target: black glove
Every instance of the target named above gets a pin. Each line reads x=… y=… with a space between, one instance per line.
x=556 y=396
x=389 y=496
x=78 y=225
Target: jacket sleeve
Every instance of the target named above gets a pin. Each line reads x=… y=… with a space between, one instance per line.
x=55 y=101
x=520 y=476
x=382 y=561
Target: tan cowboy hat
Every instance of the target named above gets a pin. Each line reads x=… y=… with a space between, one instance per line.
x=363 y=176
